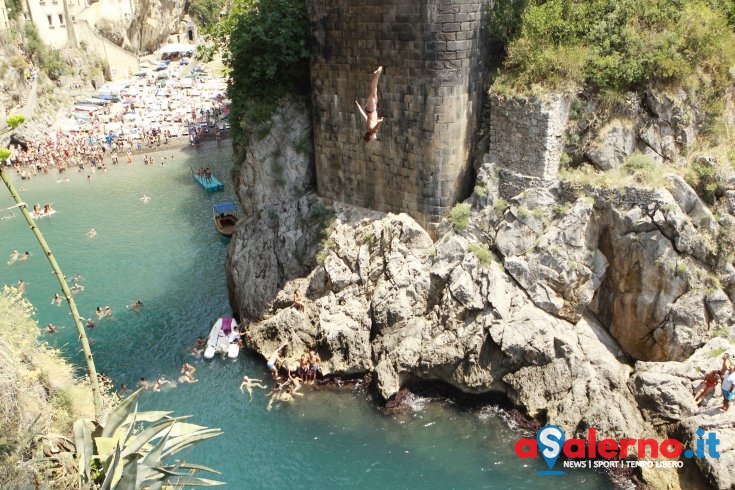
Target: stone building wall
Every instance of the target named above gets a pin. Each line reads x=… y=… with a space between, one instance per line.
x=526 y=140
x=430 y=95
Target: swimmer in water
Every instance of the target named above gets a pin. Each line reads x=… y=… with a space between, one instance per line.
x=77 y=288
x=100 y=312
x=57 y=299
x=249 y=384
x=92 y=233
x=13 y=257
x=136 y=306
x=50 y=328
x=24 y=256
x=145 y=198
x=21 y=286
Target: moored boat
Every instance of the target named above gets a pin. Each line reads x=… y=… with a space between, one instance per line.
x=225 y=218
x=223 y=339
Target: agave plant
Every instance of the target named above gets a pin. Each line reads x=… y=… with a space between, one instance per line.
x=131 y=449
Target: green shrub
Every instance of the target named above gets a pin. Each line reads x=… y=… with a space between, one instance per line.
x=523 y=213
x=460 y=216
x=500 y=206
x=641 y=167
x=561 y=209
x=15 y=120
x=205 y=13
x=680 y=269
x=483 y=253
x=703 y=177
x=616 y=46
x=266 y=53
x=717 y=352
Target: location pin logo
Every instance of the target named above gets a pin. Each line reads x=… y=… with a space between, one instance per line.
x=550 y=440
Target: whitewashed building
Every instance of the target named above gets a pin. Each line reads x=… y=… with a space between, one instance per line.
x=4 y=16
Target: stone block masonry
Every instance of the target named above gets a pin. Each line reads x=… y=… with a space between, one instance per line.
x=430 y=94
x=526 y=141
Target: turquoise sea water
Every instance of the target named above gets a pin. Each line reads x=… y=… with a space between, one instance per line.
x=167 y=254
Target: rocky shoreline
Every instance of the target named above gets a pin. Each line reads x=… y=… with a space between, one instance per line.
x=584 y=307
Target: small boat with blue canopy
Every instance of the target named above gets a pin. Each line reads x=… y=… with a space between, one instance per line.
x=225 y=217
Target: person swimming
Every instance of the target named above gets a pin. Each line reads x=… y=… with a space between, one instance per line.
x=56 y=299
x=92 y=233
x=145 y=198
x=14 y=255
x=136 y=306
x=249 y=384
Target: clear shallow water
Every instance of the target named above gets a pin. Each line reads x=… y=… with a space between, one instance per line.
x=167 y=254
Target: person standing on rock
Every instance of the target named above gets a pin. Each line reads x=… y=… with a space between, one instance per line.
x=273 y=359
x=314 y=361
x=370 y=113
x=728 y=383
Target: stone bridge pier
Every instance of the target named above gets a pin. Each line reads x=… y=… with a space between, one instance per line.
x=430 y=95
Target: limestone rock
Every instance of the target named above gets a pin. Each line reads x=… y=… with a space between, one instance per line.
x=278 y=168
x=153 y=22
x=614 y=144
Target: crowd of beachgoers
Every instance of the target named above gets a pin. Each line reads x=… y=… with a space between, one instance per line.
x=129 y=116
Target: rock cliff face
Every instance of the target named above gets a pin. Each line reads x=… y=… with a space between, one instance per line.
x=587 y=307
x=146 y=30
x=153 y=22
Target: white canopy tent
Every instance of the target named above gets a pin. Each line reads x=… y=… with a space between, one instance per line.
x=174 y=48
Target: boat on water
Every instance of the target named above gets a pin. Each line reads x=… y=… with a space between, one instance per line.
x=209 y=182
x=223 y=339
x=225 y=218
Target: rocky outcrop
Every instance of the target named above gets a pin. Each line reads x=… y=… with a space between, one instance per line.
x=152 y=23
x=278 y=169
x=284 y=222
x=662 y=125
x=663 y=392
x=579 y=304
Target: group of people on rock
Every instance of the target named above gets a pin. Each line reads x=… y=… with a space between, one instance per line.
x=725 y=375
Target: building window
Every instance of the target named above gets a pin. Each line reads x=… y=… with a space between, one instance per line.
x=50 y=20
x=61 y=19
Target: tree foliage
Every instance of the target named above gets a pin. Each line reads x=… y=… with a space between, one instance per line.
x=205 y=13
x=266 y=54
x=48 y=59
x=616 y=44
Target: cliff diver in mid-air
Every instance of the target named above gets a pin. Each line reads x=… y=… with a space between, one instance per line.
x=370 y=113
